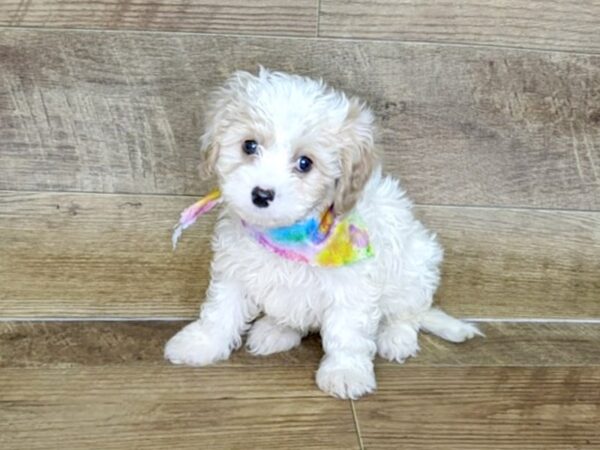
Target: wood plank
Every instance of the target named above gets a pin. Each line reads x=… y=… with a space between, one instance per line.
x=53 y=395
x=170 y=407
x=95 y=255
x=106 y=344
x=559 y=24
x=105 y=385
x=482 y=408
x=66 y=255
x=276 y=17
x=121 y=112
x=109 y=343
x=518 y=263
x=515 y=344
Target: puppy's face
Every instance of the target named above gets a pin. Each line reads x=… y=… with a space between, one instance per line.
x=286 y=147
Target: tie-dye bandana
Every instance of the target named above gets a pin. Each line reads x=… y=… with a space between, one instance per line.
x=327 y=241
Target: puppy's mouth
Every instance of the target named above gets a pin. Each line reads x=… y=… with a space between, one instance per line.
x=271 y=216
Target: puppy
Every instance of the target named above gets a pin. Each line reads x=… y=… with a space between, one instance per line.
x=286 y=149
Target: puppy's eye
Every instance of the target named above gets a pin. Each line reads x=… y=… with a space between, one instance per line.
x=304 y=164
x=250 y=147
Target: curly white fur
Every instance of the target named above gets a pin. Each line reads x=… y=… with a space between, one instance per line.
x=374 y=306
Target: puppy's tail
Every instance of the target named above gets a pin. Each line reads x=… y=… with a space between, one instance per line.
x=437 y=322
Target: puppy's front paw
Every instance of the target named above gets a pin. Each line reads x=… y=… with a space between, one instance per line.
x=194 y=346
x=346 y=377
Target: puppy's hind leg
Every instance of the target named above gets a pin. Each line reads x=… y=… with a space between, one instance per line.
x=267 y=336
x=397 y=339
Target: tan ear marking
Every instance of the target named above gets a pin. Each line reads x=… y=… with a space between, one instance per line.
x=357 y=158
x=215 y=119
x=208 y=161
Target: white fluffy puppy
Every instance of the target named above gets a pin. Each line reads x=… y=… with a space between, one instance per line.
x=306 y=147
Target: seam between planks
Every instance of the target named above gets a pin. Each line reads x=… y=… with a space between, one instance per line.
x=361 y=443
x=304 y=38
x=531 y=320
x=195 y=196
x=589 y=321
x=97 y=319
x=462 y=44
x=318 y=30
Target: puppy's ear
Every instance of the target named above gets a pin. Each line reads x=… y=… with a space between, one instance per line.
x=357 y=156
x=209 y=141
x=209 y=153
x=216 y=118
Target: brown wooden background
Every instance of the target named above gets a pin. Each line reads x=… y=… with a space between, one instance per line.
x=489 y=112
x=98 y=143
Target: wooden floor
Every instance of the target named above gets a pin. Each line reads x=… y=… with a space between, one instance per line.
x=489 y=113
x=104 y=385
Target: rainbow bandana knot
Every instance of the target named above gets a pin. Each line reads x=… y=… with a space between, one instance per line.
x=325 y=242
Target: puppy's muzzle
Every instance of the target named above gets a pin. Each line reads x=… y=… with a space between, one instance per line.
x=262 y=197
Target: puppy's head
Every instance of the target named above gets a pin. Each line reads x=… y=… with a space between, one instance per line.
x=284 y=147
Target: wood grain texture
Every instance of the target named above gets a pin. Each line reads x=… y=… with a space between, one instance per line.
x=121 y=112
x=99 y=255
x=93 y=255
x=518 y=263
x=170 y=407
x=559 y=24
x=482 y=408
x=104 y=385
x=107 y=344
x=266 y=17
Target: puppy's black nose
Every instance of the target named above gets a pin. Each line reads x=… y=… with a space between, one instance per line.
x=261 y=197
